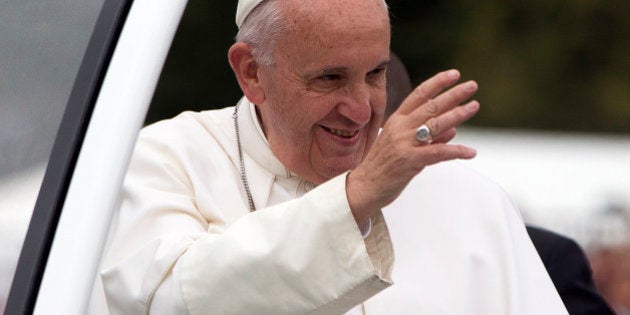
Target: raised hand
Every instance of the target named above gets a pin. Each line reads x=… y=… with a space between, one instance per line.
x=397 y=155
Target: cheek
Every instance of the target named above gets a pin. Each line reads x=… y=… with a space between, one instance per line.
x=379 y=99
x=379 y=104
x=294 y=125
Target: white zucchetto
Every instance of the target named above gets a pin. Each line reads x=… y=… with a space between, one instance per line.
x=243 y=9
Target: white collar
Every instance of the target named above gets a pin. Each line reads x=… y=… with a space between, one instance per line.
x=255 y=144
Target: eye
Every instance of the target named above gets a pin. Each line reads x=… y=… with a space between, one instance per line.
x=376 y=72
x=376 y=76
x=330 y=77
x=327 y=82
x=327 y=77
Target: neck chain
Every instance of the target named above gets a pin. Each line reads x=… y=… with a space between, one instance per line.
x=241 y=161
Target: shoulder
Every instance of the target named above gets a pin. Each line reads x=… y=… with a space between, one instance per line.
x=560 y=254
x=547 y=243
x=471 y=198
x=460 y=174
x=188 y=144
x=568 y=268
x=186 y=125
x=188 y=134
x=457 y=178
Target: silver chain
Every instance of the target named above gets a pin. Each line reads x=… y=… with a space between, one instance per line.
x=241 y=161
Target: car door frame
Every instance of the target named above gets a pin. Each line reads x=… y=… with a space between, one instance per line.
x=77 y=199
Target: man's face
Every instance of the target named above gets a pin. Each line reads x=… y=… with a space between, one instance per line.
x=325 y=93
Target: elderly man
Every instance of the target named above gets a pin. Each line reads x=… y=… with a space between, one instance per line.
x=274 y=206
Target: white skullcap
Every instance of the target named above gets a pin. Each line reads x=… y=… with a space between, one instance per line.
x=243 y=9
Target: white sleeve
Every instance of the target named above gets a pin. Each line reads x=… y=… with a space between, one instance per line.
x=298 y=257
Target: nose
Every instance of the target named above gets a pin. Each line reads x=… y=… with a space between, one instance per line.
x=356 y=104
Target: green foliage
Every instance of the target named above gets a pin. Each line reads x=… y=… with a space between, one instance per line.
x=553 y=65
x=540 y=64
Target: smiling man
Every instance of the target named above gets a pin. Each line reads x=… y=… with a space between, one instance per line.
x=322 y=95
x=273 y=206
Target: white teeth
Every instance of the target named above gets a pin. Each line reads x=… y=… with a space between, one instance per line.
x=342 y=133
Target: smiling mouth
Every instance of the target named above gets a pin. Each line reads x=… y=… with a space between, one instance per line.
x=341 y=133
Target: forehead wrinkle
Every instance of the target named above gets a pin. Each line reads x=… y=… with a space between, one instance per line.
x=336 y=15
x=328 y=24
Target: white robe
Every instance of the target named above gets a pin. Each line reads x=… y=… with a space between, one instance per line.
x=185 y=241
x=462 y=248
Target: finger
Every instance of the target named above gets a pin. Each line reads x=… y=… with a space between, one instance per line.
x=428 y=90
x=445 y=136
x=441 y=152
x=452 y=118
x=445 y=101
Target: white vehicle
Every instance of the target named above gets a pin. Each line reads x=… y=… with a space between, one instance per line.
x=105 y=109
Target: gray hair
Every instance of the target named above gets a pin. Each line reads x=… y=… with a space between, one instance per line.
x=261 y=28
x=264 y=24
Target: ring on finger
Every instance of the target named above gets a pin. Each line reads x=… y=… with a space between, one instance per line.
x=423 y=134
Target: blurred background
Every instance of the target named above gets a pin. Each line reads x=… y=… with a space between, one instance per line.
x=554 y=77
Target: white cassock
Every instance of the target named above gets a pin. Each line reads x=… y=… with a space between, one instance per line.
x=461 y=248
x=184 y=240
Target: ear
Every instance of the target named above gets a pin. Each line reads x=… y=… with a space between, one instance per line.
x=245 y=68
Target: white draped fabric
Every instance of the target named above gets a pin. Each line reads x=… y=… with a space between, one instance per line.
x=461 y=248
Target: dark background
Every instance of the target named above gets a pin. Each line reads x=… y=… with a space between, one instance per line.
x=540 y=64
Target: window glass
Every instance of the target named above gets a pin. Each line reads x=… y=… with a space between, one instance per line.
x=41 y=47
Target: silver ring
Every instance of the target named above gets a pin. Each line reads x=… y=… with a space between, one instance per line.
x=423 y=134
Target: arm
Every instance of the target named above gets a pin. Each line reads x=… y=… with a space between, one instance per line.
x=295 y=257
x=163 y=223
